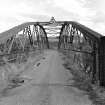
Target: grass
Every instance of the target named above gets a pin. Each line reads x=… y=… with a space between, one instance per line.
x=11 y=72
x=82 y=81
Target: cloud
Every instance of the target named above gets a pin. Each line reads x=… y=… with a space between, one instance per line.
x=88 y=12
x=36 y=17
x=98 y=19
x=73 y=6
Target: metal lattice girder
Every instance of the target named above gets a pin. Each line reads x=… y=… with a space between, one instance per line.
x=39 y=31
x=73 y=30
x=47 y=43
x=90 y=38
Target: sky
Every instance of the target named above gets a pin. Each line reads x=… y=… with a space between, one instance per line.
x=87 y=12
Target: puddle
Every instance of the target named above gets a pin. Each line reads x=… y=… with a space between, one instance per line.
x=38 y=64
x=43 y=58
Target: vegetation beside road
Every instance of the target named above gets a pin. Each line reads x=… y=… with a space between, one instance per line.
x=11 y=73
x=82 y=80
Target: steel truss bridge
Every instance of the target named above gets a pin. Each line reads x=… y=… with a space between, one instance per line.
x=73 y=36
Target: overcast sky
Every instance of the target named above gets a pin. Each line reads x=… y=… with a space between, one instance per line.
x=88 y=12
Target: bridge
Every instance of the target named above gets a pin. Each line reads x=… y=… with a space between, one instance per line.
x=72 y=37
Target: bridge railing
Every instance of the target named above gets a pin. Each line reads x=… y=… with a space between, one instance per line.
x=71 y=29
x=98 y=52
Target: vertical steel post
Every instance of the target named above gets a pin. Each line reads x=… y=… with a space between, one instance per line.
x=94 y=63
x=102 y=62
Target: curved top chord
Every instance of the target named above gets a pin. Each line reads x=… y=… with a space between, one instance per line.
x=87 y=30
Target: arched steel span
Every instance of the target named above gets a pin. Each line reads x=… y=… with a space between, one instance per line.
x=8 y=37
x=13 y=31
x=44 y=34
x=83 y=29
x=79 y=37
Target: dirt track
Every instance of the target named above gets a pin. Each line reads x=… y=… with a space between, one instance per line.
x=49 y=83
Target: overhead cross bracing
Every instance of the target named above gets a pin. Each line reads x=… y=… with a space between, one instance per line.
x=53 y=30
